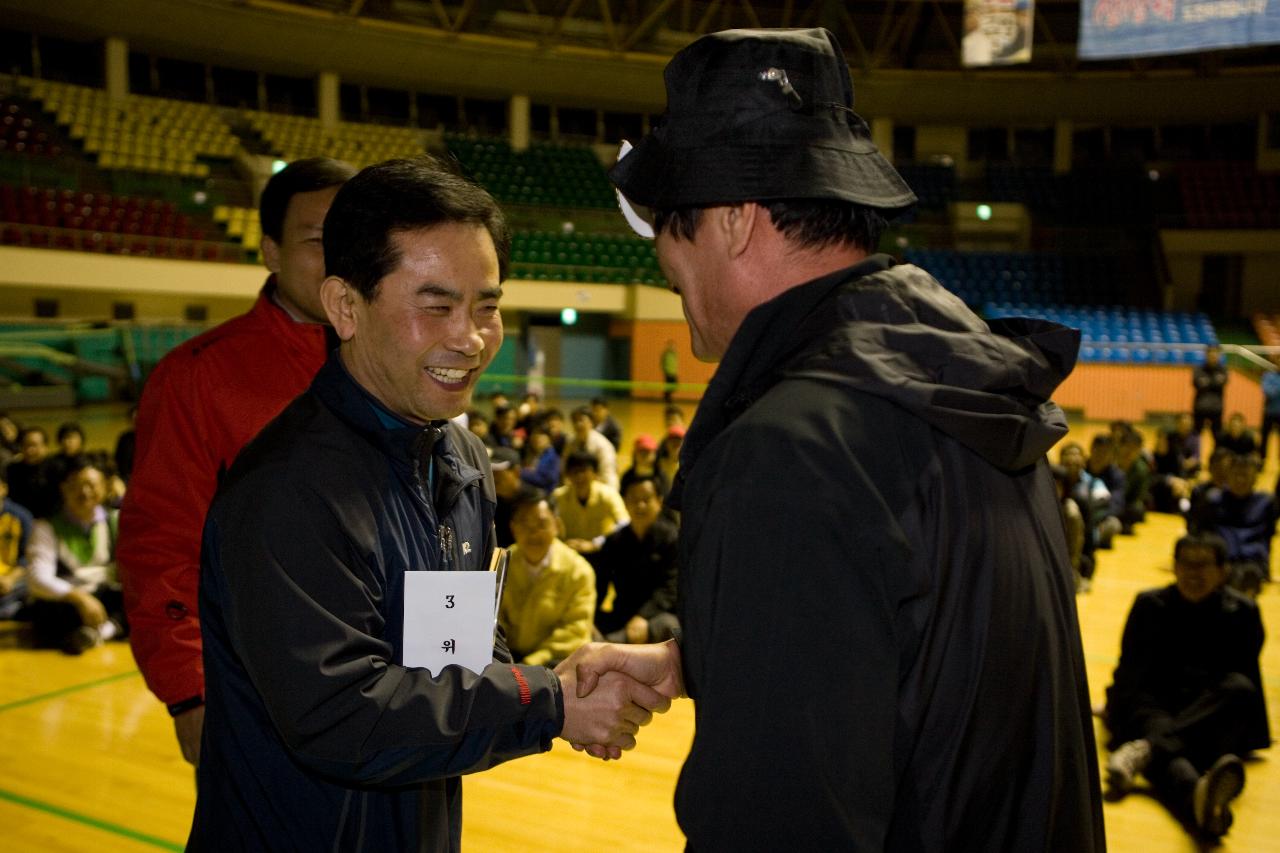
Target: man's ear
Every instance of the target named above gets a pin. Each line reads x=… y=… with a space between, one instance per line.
x=270 y=254
x=339 y=301
x=737 y=225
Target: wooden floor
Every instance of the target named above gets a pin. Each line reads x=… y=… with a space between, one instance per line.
x=88 y=760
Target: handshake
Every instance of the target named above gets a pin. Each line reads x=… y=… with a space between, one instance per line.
x=610 y=691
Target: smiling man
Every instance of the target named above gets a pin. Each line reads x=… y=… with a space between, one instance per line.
x=318 y=735
x=1187 y=699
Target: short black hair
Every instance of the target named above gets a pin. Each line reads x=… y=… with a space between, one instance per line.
x=579 y=459
x=76 y=465
x=68 y=428
x=599 y=401
x=399 y=196
x=526 y=500
x=580 y=412
x=300 y=176
x=810 y=223
x=633 y=477
x=1211 y=541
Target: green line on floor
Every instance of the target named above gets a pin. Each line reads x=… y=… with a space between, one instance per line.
x=53 y=694
x=105 y=826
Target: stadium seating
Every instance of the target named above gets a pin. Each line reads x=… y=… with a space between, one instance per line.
x=1025 y=278
x=241 y=224
x=934 y=186
x=20 y=133
x=1229 y=195
x=546 y=174
x=100 y=222
x=294 y=137
x=602 y=259
x=138 y=133
x=1125 y=335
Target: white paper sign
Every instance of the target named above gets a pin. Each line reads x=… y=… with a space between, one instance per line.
x=449 y=618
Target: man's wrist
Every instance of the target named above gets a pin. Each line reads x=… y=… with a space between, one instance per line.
x=185 y=705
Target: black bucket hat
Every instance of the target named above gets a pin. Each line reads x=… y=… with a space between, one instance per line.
x=759 y=115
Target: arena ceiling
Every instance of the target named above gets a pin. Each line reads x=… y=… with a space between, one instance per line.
x=881 y=34
x=904 y=54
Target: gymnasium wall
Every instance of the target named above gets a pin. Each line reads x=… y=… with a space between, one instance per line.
x=1108 y=392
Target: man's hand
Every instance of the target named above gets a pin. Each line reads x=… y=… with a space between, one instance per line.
x=91 y=611
x=655 y=668
x=654 y=664
x=189 y=725
x=637 y=630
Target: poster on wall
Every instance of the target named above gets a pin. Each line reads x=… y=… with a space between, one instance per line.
x=1111 y=29
x=996 y=32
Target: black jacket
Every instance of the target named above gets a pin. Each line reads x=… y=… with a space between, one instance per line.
x=879 y=623
x=316 y=736
x=1173 y=652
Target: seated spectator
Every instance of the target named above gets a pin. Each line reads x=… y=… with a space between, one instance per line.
x=9 y=433
x=15 y=533
x=1236 y=437
x=605 y=423
x=589 y=509
x=585 y=438
x=479 y=426
x=668 y=461
x=72 y=570
x=30 y=475
x=1219 y=463
x=644 y=458
x=529 y=411
x=126 y=448
x=503 y=428
x=1137 y=479
x=1186 y=700
x=1101 y=465
x=1246 y=519
x=553 y=418
x=550 y=591
x=1072 y=520
x=1170 y=490
x=1187 y=438
x=541 y=462
x=510 y=490
x=672 y=415
x=639 y=561
x=1092 y=498
x=71 y=452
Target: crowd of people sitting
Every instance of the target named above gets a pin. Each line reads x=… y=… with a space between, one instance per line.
x=592 y=551
x=1186 y=703
x=58 y=534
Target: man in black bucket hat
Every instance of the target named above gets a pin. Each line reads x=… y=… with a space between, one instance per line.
x=879 y=625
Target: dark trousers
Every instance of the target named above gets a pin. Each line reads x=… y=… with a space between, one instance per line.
x=671 y=380
x=1212 y=418
x=1187 y=743
x=53 y=621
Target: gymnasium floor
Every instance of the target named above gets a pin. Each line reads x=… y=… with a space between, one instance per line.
x=88 y=760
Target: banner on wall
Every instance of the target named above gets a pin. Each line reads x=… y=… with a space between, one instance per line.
x=997 y=32
x=1110 y=29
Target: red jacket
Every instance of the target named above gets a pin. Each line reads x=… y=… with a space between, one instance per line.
x=201 y=405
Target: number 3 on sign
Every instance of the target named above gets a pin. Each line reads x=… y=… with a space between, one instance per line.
x=448 y=620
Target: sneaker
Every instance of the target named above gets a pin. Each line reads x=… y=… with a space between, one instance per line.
x=1128 y=760
x=1214 y=792
x=81 y=640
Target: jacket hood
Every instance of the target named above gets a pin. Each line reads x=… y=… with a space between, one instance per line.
x=903 y=337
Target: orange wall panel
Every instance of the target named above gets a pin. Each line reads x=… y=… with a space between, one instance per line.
x=1133 y=393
